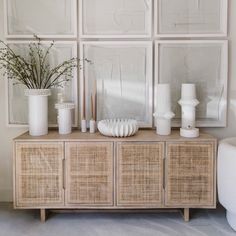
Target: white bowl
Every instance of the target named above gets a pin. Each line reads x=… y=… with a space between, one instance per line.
x=118 y=127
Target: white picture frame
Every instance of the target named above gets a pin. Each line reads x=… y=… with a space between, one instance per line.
x=51 y=19
x=197 y=15
x=20 y=101
x=116 y=19
x=203 y=62
x=105 y=62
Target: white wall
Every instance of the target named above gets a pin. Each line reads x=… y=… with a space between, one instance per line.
x=7 y=134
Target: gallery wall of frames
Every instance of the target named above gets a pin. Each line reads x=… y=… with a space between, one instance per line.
x=133 y=45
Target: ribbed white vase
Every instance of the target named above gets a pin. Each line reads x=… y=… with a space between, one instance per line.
x=64 y=117
x=163 y=113
x=38 y=111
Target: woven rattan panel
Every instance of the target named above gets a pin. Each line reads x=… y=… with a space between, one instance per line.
x=89 y=173
x=140 y=174
x=190 y=174
x=39 y=173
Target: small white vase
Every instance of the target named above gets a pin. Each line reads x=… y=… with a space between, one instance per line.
x=38 y=111
x=163 y=113
x=64 y=117
x=92 y=126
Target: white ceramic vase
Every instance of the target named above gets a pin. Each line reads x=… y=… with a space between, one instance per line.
x=38 y=111
x=188 y=103
x=163 y=113
x=64 y=117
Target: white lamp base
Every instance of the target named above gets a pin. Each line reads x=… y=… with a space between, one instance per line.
x=189 y=133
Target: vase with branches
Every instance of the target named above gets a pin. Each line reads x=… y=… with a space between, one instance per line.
x=36 y=73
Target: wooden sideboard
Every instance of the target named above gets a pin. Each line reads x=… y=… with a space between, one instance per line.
x=90 y=171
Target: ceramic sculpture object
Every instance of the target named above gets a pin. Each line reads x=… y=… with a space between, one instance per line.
x=118 y=127
x=163 y=113
x=188 y=103
x=227 y=178
x=65 y=117
x=38 y=111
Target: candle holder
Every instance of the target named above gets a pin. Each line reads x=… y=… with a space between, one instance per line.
x=163 y=113
x=64 y=117
x=188 y=103
x=92 y=126
x=83 y=126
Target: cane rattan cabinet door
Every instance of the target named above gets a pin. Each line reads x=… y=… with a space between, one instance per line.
x=190 y=174
x=140 y=174
x=89 y=174
x=39 y=174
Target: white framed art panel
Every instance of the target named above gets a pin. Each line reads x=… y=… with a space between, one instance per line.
x=203 y=62
x=41 y=20
x=115 y=18
x=123 y=73
x=191 y=13
x=17 y=102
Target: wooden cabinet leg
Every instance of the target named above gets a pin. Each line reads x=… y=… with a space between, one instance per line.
x=43 y=215
x=186 y=214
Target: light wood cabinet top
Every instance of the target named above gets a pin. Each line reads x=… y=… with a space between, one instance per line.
x=142 y=135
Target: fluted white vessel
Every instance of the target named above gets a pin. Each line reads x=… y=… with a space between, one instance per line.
x=64 y=117
x=188 y=103
x=118 y=127
x=163 y=113
x=38 y=111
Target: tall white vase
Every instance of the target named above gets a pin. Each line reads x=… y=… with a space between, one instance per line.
x=188 y=103
x=38 y=111
x=64 y=117
x=163 y=113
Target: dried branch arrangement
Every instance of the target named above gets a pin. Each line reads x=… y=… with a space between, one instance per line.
x=35 y=71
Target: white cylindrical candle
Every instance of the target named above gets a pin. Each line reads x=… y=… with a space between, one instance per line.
x=163 y=98
x=64 y=117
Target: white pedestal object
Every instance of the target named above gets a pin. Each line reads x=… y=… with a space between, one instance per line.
x=38 y=111
x=83 y=126
x=189 y=133
x=163 y=113
x=188 y=103
x=92 y=126
x=64 y=117
x=226 y=176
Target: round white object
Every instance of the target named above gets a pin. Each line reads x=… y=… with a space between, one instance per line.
x=189 y=133
x=118 y=127
x=226 y=176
